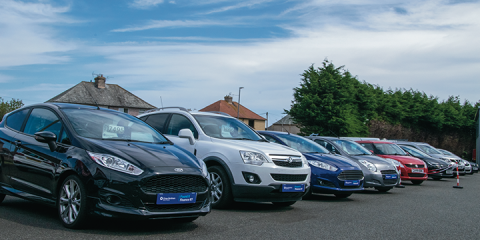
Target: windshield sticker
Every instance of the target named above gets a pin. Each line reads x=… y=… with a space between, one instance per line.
x=112 y=131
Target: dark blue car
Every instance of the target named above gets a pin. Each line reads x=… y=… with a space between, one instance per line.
x=331 y=174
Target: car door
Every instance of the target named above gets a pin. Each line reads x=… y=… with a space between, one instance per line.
x=13 y=124
x=34 y=165
x=178 y=122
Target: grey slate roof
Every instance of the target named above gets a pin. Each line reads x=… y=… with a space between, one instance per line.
x=112 y=95
x=287 y=120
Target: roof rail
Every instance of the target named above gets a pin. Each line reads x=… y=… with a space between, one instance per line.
x=218 y=112
x=314 y=134
x=361 y=139
x=158 y=109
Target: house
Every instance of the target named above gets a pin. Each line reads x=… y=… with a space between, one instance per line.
x=231 y=108
x=101 y=94
x=285 y=124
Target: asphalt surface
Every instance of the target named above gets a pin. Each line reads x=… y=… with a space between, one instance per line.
x=433 y=210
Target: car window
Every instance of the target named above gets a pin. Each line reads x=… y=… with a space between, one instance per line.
x=428 y=149
x=226 y=128
x=414 y=152
x=157 y=121
x=352 y=148
x=301 y=144
x=111 y=125
x=270 y=139
x=389 y=149
x=41 y=120
x=64 y=138
x=368 y=146
x=15 y=120
x=327 y=145
x=179 y=122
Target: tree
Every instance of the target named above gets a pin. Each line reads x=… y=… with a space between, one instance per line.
x=331 y=101
x=6 y=107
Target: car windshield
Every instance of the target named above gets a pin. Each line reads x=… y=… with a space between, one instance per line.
x=445 y=152
x=428 y=149
x=414 y=152
x=226 y=128
x=110 y=125
x=389 y=149
x=352 y=148
x=302 y=144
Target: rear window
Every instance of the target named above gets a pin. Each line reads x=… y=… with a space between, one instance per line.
x=15 y=120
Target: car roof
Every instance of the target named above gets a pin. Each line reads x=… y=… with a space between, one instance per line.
x=374 y=141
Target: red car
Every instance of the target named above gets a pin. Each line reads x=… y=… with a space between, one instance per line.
x=412 y=168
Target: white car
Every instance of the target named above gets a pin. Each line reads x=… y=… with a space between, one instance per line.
x=243 y=165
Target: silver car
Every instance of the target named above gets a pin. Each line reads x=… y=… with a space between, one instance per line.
x=379 y=173
x=468 y=167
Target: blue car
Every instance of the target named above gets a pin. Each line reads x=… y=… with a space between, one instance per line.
x=331 y=174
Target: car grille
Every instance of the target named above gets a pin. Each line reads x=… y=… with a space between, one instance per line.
x=416 y=175
x=351 y=175
x=286 y=161
x=415 y=165
x=174 y=184
x=289 y=177
x=389 y=181
x=175 y=207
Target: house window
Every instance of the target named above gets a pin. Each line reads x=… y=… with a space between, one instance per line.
x=251 y=123
x=141 y=111
x=125 y=110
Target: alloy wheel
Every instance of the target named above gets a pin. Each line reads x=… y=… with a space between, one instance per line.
x=70 y=201
x=217 y=185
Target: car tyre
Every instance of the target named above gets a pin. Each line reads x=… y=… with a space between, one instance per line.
x=72 y=203
x=436 y=178
x=2 y=196
x=417 y=182
x=342 y=195
x=221 y=188
x=308 y=195
x=284 y=204
x=383 y=189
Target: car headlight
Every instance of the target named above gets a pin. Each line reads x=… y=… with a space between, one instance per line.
x=115 y=163
x=369 y=165
x=322 y=165
x=253 y=158
x=395 y=162
x=304 y=160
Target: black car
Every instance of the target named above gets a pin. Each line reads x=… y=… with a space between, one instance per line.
x=88 y=160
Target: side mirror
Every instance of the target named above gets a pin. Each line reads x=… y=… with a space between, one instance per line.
x=371 y=151
x=47 y=137
x=187 y=133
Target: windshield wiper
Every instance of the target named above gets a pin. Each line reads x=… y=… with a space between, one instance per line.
x=360 y=154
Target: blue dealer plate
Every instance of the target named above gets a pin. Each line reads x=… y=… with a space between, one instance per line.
x=176 y=198
x=351 y=183
x=293 y=187
x=391 y=176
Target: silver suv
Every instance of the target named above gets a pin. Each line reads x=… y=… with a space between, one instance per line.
x=243 y=165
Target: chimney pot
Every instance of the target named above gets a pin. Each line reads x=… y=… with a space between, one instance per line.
x=100 y=81
x=228 y=99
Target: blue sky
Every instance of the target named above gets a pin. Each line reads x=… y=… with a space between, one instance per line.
x=193 y=53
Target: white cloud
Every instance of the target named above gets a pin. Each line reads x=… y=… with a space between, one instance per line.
x=144 y=4
x=168 y=23
x=23 y=29
x=243 y=4
x=5 y=78
x=432 y=49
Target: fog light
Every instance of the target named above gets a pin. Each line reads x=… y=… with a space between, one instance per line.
x=251 y=178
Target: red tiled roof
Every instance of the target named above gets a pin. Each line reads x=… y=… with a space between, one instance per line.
x=224 y=106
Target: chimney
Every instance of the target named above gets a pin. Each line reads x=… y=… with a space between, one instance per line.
x=100 y=81
x=228 y=99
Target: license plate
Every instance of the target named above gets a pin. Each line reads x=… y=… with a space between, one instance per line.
x=176 y=198
x=449 y=172
x=293 y=187
x=391 y=176
x=417 y=170
x=351 y=183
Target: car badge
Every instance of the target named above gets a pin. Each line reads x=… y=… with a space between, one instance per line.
x=178 y=169
x=289 y=160
x=416 y=165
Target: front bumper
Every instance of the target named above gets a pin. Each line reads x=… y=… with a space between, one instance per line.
x=324 y=181
x=378 y=179
x=270 y=193
x=409 y=174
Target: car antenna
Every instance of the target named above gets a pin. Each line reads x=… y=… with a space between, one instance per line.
x=334 y=133
x=98 y=107
x=285 y=129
